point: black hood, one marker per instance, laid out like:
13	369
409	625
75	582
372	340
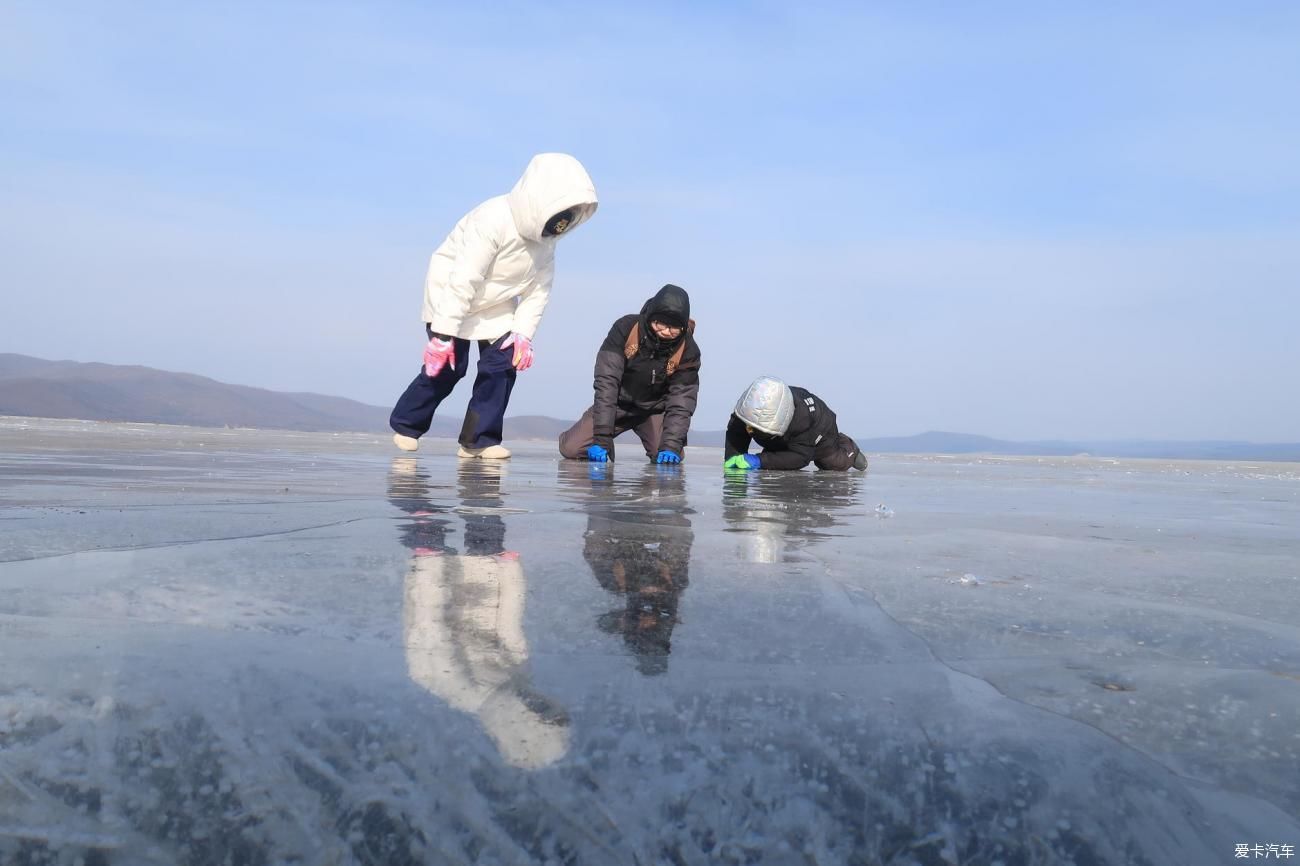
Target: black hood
670	304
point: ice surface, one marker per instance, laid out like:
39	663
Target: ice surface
234	647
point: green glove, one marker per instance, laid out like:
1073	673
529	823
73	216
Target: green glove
744	462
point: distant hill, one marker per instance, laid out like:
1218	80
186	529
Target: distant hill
936	442
106	392
34	387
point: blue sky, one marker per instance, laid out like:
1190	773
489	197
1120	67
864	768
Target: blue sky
1024	220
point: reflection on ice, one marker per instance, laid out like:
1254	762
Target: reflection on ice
638	545
775	511
314	654
463	615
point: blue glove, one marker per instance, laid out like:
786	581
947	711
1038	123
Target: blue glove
667	457
597	454
743	462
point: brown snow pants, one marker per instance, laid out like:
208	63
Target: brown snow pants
575	441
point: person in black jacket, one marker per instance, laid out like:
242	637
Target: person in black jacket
647	380
794	426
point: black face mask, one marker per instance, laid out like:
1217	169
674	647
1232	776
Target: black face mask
558	224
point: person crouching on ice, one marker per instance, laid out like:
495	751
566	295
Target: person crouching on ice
647	380
794	426
489	282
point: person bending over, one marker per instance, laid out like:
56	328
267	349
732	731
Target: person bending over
647	380
489	282
794	426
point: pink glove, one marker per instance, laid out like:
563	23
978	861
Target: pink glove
437	355
523	350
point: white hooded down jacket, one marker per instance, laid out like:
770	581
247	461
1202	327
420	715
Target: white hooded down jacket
493	273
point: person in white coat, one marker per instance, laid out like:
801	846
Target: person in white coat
489	282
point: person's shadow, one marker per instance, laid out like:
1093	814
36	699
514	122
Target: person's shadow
463	613
638	546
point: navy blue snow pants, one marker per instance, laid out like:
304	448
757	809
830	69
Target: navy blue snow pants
486	412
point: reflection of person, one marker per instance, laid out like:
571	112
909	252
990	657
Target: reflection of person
647	380
642	552
408	488
463	616
771	512
489	282
794	426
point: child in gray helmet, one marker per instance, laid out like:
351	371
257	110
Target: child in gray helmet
795	428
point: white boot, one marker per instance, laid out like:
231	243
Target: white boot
491	452
406	443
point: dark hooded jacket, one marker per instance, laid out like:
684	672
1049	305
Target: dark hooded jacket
812	429
639	375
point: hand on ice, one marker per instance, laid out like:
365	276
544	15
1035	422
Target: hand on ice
743	462
438	354
597	454
668	457
523	358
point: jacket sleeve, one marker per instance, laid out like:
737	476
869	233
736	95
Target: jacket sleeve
797	456
608	377
478	249
683	393
533	300
738	438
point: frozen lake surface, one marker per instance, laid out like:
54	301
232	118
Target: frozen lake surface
233	647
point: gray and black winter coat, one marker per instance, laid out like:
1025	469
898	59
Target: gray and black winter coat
639	375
